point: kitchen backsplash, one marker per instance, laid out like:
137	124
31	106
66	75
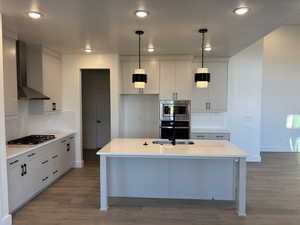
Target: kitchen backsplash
30	121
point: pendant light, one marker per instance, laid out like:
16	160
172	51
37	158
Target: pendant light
139	77
202	76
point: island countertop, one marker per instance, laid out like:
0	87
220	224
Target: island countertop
200	148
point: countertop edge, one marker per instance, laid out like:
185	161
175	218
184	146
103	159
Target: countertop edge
61	135
170	155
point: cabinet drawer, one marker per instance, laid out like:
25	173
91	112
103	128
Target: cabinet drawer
16	161
211	136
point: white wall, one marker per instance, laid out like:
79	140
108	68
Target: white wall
281	82
139	116
244	99
5	218
71	65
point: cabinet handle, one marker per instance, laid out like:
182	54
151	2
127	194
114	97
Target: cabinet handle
55	172
55	156
46	178
14	162
207	106
220	136
68	149
45	162
22	173
30	155
200	136
25	169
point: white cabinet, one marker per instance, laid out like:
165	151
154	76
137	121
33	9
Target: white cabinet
175	80
152	70
10	77
30	173
52	81
213	98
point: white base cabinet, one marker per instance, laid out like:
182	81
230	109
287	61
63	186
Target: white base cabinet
30	173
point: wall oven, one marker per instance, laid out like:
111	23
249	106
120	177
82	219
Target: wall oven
175	110
175	119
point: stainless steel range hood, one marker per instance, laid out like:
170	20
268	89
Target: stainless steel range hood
24	91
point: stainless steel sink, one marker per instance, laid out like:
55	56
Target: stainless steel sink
159	142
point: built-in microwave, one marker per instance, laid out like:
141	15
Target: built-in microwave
178	110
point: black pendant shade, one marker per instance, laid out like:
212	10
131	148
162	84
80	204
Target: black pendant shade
139	78
202	77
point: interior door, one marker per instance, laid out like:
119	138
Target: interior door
95	108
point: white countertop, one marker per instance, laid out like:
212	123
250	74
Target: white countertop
200	149
209	130
16	150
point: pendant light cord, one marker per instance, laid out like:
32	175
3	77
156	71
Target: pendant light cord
139	51
202	52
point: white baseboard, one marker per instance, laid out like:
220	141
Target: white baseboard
275	149
78	164
6	220
254	158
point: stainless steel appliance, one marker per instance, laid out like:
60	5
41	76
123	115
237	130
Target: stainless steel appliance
180	108
31	140
175	119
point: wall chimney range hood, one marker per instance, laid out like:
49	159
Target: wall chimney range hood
24	91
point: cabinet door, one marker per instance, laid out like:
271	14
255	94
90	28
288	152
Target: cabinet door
52	82
10	77
218	86
69	151
152	71
200	96
127	71
16	192
31	178
167	79
183	80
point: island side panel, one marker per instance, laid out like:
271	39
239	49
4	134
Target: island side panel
171	178
241	187
103	183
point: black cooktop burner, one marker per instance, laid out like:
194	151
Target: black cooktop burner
31	140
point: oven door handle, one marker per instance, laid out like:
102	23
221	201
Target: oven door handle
170	127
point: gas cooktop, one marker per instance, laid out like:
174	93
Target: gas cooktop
31	140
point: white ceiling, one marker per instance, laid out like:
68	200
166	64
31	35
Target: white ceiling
109	25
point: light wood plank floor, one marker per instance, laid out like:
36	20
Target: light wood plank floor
273	198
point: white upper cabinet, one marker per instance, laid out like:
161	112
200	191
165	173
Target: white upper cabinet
213	98
176	80
52	81
167	80
152	70
183	80
10	77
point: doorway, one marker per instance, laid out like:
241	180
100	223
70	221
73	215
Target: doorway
96	121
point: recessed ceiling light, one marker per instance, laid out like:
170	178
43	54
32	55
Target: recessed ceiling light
141	13
88	50
207	48
241	10
151	49
34	15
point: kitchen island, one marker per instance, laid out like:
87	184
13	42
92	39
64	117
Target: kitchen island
206	169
